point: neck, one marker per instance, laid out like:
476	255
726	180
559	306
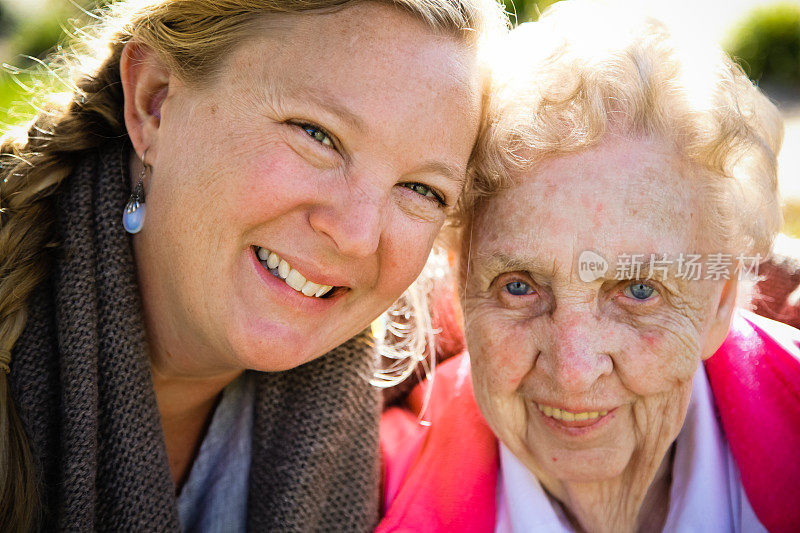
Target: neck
186	405
633	502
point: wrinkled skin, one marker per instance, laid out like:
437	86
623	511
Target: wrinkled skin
594	346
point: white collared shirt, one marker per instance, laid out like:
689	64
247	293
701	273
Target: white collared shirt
706	493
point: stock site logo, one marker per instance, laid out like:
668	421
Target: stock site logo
591	266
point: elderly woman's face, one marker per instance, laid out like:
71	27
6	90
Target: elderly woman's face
582	379
334	141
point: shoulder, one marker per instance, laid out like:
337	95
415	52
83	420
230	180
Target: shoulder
440	457
759	355
404	428
755	379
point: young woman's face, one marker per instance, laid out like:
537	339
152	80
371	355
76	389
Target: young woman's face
335	141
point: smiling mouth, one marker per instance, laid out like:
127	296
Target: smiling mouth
569	416
281	269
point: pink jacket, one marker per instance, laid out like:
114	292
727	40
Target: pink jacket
442	476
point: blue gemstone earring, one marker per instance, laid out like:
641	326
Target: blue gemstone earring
133	214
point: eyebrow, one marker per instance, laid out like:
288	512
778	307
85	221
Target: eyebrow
501	261
329	104
495	262
450	173
671	281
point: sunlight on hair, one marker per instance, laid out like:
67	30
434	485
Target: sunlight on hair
404	333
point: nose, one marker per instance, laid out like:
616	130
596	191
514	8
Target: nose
352	217
577	354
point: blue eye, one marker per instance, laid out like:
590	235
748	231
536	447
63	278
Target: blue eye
317	134
639	291
519	288
424	190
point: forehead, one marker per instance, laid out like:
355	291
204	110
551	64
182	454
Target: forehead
375	59
359	33
621	196
396	93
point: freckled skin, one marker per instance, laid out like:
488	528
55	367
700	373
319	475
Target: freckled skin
589	346
312	138
232	168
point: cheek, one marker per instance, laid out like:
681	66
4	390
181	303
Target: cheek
268	179
501	354
405	247
502	351
658	360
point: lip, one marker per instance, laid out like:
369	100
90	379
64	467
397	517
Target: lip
288	294
308	271
577	428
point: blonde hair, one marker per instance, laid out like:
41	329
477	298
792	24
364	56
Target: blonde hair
191	36
589	68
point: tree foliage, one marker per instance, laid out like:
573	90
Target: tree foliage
767	44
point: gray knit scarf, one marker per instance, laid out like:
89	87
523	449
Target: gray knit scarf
81	380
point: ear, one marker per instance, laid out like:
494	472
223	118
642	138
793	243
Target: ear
145	84
721	321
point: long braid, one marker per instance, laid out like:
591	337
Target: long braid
31	172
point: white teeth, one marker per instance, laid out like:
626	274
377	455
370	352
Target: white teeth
310	288
292	277
283	269
295	280
323	290
560	414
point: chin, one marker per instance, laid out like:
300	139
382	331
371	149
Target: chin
586	466
271	348
586	475
271	358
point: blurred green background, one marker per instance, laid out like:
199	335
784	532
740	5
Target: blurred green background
764	36
765	39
